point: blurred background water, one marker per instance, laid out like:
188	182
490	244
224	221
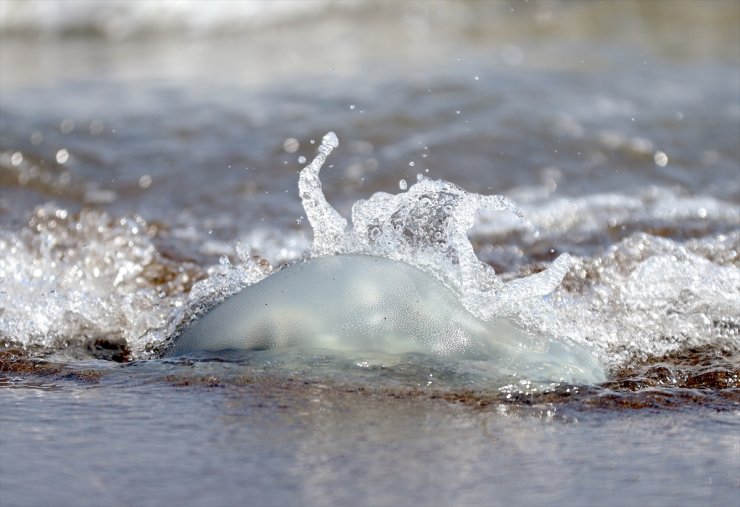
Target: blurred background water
141	141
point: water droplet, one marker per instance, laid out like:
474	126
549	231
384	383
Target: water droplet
96	127
145	181
16	158
301	159
291	145
477	78
62	156
67	126
403	185
412	163
352	107
661	159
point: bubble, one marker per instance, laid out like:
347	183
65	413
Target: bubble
352	107
62	156
412	163
301	159
403	185
660	158
291	145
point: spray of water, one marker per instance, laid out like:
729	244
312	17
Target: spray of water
425	226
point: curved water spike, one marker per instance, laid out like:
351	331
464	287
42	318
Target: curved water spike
327	224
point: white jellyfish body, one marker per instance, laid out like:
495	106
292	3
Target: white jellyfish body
403	279
358	303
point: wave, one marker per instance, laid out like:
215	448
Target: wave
72	283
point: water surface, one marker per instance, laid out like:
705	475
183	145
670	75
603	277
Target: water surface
142	152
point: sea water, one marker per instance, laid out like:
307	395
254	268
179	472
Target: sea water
149	165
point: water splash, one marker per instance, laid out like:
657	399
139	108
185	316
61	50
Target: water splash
68	279
648	297
75	279
425	226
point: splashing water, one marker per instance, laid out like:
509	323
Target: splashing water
358	301
645	298
86	277
427	227
69	280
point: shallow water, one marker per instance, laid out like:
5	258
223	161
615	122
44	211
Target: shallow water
142	154
132	440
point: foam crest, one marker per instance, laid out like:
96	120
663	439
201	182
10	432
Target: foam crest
76	279
68	280
591	215
650	296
